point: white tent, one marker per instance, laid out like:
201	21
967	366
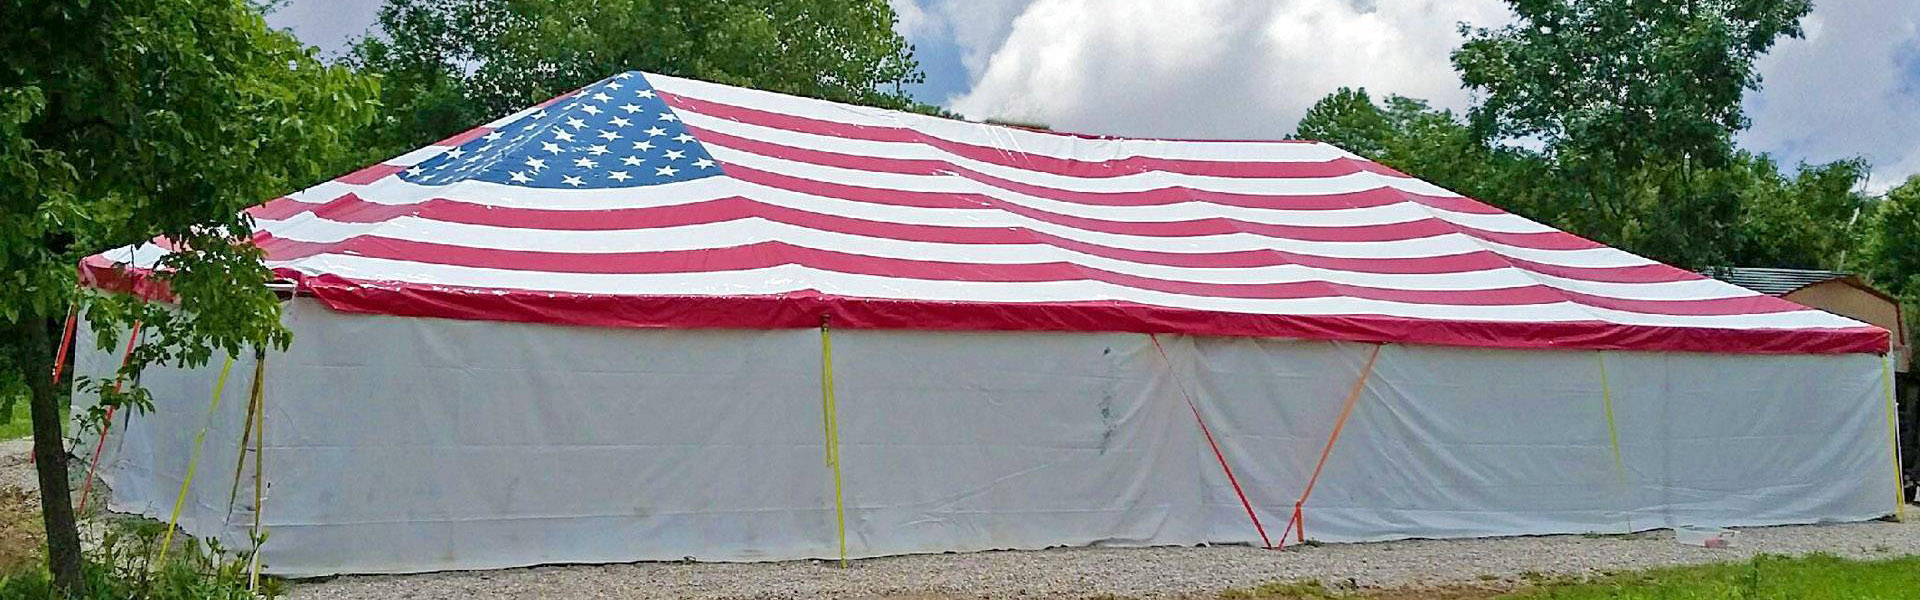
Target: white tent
658	318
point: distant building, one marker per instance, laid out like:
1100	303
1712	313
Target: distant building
1833	291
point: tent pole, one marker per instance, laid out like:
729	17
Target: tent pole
259	460
831	418
1893	438
1298	523
133	338
246	432
193	461
1613	432
1265	542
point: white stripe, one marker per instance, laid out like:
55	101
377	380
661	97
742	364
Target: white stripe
393	191
980	134
308	228
790	278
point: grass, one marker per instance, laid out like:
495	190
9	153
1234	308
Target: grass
18	425
1815	577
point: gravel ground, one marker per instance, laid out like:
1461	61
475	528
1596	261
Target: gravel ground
1130	572
15	471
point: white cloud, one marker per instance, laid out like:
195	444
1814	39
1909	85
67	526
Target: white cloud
1850	88
1214	68
913	21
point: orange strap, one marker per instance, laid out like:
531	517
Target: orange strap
1298	523
133	338
1264	541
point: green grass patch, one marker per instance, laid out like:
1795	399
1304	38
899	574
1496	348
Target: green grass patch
18	423
1816	577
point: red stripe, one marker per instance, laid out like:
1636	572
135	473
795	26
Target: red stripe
1021	160
349	208
370	174
773	254
804	309
352	210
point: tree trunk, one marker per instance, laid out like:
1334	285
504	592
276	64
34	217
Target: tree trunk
56	502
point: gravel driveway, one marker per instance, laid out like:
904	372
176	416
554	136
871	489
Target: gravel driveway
1131	572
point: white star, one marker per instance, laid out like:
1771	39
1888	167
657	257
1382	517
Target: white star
564	136
585	162
601	96
596	149
683	138
676	154
620	122
575	122
415	171
609	135
572	181
536	164
613	86
540	114
492	136
456	153
666	171
630	108
550	147
624	75
643	145
619	176
668	117
653	131
632	161
644	93
590	109
703	163
520	177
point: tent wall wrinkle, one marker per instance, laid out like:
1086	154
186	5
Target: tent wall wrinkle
406	444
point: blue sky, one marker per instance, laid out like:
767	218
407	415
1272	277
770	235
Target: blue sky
1249	68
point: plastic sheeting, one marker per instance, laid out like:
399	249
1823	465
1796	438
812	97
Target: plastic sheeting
404	444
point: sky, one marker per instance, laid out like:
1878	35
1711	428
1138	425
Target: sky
1248	69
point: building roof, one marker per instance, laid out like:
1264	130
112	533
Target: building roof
659	202
1774	282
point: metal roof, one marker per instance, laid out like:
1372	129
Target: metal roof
1774	282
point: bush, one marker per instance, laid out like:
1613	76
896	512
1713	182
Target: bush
122	566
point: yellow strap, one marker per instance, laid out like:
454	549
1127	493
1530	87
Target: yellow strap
831	417
193	461
1613	430
1893	439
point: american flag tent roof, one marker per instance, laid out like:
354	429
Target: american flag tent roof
652	201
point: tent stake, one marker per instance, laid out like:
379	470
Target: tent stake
1298	523
1265	542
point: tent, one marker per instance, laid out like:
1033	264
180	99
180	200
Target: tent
659	318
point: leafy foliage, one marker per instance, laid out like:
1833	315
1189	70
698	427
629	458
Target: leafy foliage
126	121
127	565
1635	104
451	64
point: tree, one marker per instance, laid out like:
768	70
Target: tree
452	64
1892	248
1634	100
125	121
